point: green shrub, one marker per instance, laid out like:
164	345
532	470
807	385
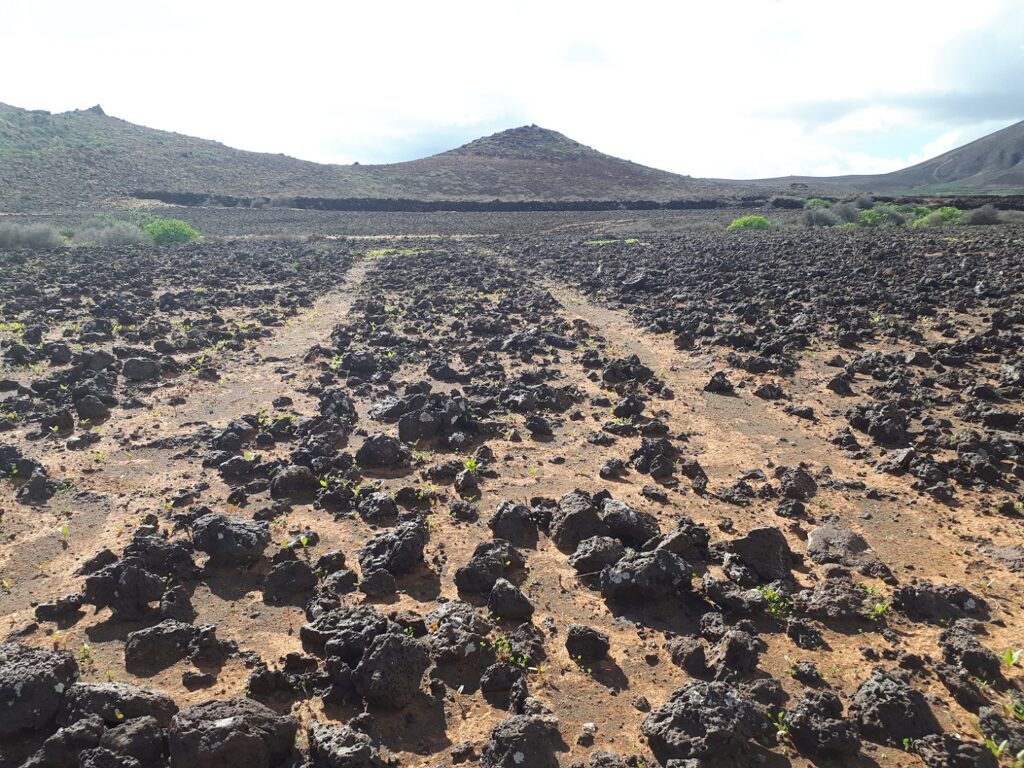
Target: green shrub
872	218
170	231
817	202
950	214
750	222
29	236
933	219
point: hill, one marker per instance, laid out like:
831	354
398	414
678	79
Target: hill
85	157
989	165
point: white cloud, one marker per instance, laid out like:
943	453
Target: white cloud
705	89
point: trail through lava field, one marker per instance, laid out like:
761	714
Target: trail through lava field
555	499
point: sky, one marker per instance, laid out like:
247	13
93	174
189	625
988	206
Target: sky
728	89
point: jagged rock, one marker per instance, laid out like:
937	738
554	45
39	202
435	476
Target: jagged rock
701	719
586	644
157	647
236	733
574	520
645	575
520	741
109	700
391	670
817	727
33	683
399	551
888	710
230	540
340	746
508	601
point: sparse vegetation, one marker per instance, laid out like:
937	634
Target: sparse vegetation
34	236
750	222
170	231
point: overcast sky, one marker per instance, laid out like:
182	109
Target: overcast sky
733	88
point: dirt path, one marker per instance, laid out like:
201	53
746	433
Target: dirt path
118	482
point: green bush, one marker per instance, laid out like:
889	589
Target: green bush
933	219
170	231
750	222
817	202
950	214
872	218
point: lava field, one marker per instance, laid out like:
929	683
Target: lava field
565	498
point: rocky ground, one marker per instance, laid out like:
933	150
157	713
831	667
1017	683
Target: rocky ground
573	497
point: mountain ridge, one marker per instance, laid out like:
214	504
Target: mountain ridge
83	158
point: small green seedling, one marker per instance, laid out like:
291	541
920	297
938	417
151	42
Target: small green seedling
779	722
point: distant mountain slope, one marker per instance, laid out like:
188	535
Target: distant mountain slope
991	164
85	157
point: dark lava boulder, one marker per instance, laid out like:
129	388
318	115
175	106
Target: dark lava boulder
585	644
645	575
833	542
398	552
593	554
236	733
380	451
961	648
141	738
922	600
515	523
391	670
288	579
490	561
630	527
230	540
115	703
948	750
341	746
762	555
33	683
885	422
702	719
817	726
574	520
797	483
520	741
294	482
140	369
507	601
837	597
344	632
999	728
888	710
456	631
62	749
157	647
719	384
